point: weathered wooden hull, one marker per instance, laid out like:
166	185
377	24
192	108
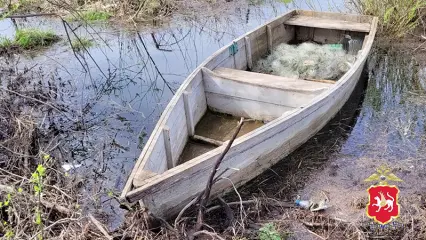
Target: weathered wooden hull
171	187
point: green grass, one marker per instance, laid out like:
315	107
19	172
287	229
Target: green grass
29	39
95	16
396	17
5	42
91	16
33	38
83	43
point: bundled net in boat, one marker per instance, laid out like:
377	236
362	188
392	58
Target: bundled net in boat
309	61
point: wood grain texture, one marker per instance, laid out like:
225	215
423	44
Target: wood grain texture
207	140
327	23
165	194
259	39
269	37
243	107
267	80
262	88
168	147
197	99
225	59
337	16
282	34
248	53
140	179
189	114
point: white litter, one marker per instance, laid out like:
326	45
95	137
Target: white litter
68	166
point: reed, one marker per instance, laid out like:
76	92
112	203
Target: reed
396	17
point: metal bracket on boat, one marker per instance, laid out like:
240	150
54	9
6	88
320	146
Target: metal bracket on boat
233	49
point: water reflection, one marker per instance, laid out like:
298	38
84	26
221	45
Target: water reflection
115	91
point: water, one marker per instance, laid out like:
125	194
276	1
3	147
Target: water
116	92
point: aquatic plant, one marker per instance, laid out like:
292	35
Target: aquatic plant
94	15
33	38
396	17
81	44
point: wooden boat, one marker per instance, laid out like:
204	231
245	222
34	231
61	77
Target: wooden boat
178	158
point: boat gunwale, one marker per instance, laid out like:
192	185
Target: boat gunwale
305	109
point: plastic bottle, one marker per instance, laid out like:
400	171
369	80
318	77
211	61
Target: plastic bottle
303	203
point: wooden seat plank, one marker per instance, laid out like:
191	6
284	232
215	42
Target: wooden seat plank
272	81
327	23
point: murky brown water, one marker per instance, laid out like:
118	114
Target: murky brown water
215	126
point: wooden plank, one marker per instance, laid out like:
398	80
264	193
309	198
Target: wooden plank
177	125
157	161
202	139
197	99
188	114
270	38
225	59
282	34
248	53
142	177
244	107
241	59
326	36
320	80
168	147
337	16
268	80
255	87
315	22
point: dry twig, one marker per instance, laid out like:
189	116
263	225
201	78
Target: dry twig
206	195
100	226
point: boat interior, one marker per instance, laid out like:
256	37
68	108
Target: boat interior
206	111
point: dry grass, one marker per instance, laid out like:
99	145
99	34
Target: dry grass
25	106
102	10
396	17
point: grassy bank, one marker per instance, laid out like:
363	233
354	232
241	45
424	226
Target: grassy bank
29	39
396	17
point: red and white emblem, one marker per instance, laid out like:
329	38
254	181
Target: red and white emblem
383	203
